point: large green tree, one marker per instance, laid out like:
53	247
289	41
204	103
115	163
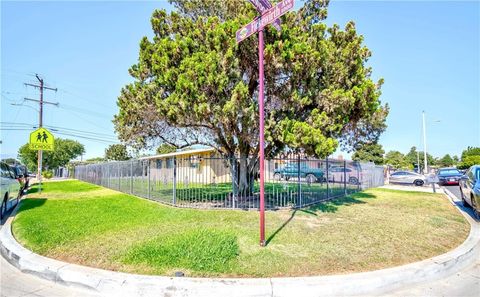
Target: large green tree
193	84
445	161
369	152
470	157
65	150
413	156
397	160
117	152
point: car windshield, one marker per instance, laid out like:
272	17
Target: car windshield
448	172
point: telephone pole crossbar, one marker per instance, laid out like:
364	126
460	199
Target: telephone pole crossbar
42	87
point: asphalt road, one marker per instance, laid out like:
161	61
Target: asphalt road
455	191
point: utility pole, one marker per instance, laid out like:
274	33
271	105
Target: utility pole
418	162
424	144
41	86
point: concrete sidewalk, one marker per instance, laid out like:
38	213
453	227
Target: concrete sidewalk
401	187
395	281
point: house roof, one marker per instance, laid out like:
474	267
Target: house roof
181	153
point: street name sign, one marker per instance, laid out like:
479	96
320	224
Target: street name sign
264	5
269	16
41	139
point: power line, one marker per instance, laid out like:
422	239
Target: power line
74	113
65	133
56	128
86	137
82	110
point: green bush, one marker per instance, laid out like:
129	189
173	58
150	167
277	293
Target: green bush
48	174
469	161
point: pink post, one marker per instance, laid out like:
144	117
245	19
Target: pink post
262	144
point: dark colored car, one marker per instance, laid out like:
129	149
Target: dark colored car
470	189
449	176
292	170
21	174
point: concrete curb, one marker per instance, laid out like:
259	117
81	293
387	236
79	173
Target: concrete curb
110	283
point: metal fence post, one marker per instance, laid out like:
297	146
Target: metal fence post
148	182
359	167
174	194
118	174
328	188
131	177
299	187
345	177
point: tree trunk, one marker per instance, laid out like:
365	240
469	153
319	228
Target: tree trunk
244	172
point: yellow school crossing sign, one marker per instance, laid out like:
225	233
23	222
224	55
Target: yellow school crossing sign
41	139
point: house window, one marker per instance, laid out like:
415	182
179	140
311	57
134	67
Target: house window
170	162
194	161
159	164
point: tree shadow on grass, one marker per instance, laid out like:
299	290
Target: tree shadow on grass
330	206
334	204
32	190
30	203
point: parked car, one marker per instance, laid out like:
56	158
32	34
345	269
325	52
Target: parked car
407	177
470	189
21	174
293	169
449	176
9	188
340	173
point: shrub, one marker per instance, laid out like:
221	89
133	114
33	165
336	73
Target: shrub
48	174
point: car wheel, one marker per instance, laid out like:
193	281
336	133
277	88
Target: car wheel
311	178
3	208
464	202
353	180
476	211
287	178
277	177
418	183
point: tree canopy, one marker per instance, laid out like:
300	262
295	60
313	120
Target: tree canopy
446	161
413	156
117	152
470	157
65	150
369	152
165	148
193	84
397	160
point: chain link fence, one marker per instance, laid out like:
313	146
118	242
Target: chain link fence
198	182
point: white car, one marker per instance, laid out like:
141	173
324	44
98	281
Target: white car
407	177
338	174
9	188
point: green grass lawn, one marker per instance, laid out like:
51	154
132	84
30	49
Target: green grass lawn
94	226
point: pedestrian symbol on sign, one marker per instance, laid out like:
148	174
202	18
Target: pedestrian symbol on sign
41	139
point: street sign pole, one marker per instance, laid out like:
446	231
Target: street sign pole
262	142
269	15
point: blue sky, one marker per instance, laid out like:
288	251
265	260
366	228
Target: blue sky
427	52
